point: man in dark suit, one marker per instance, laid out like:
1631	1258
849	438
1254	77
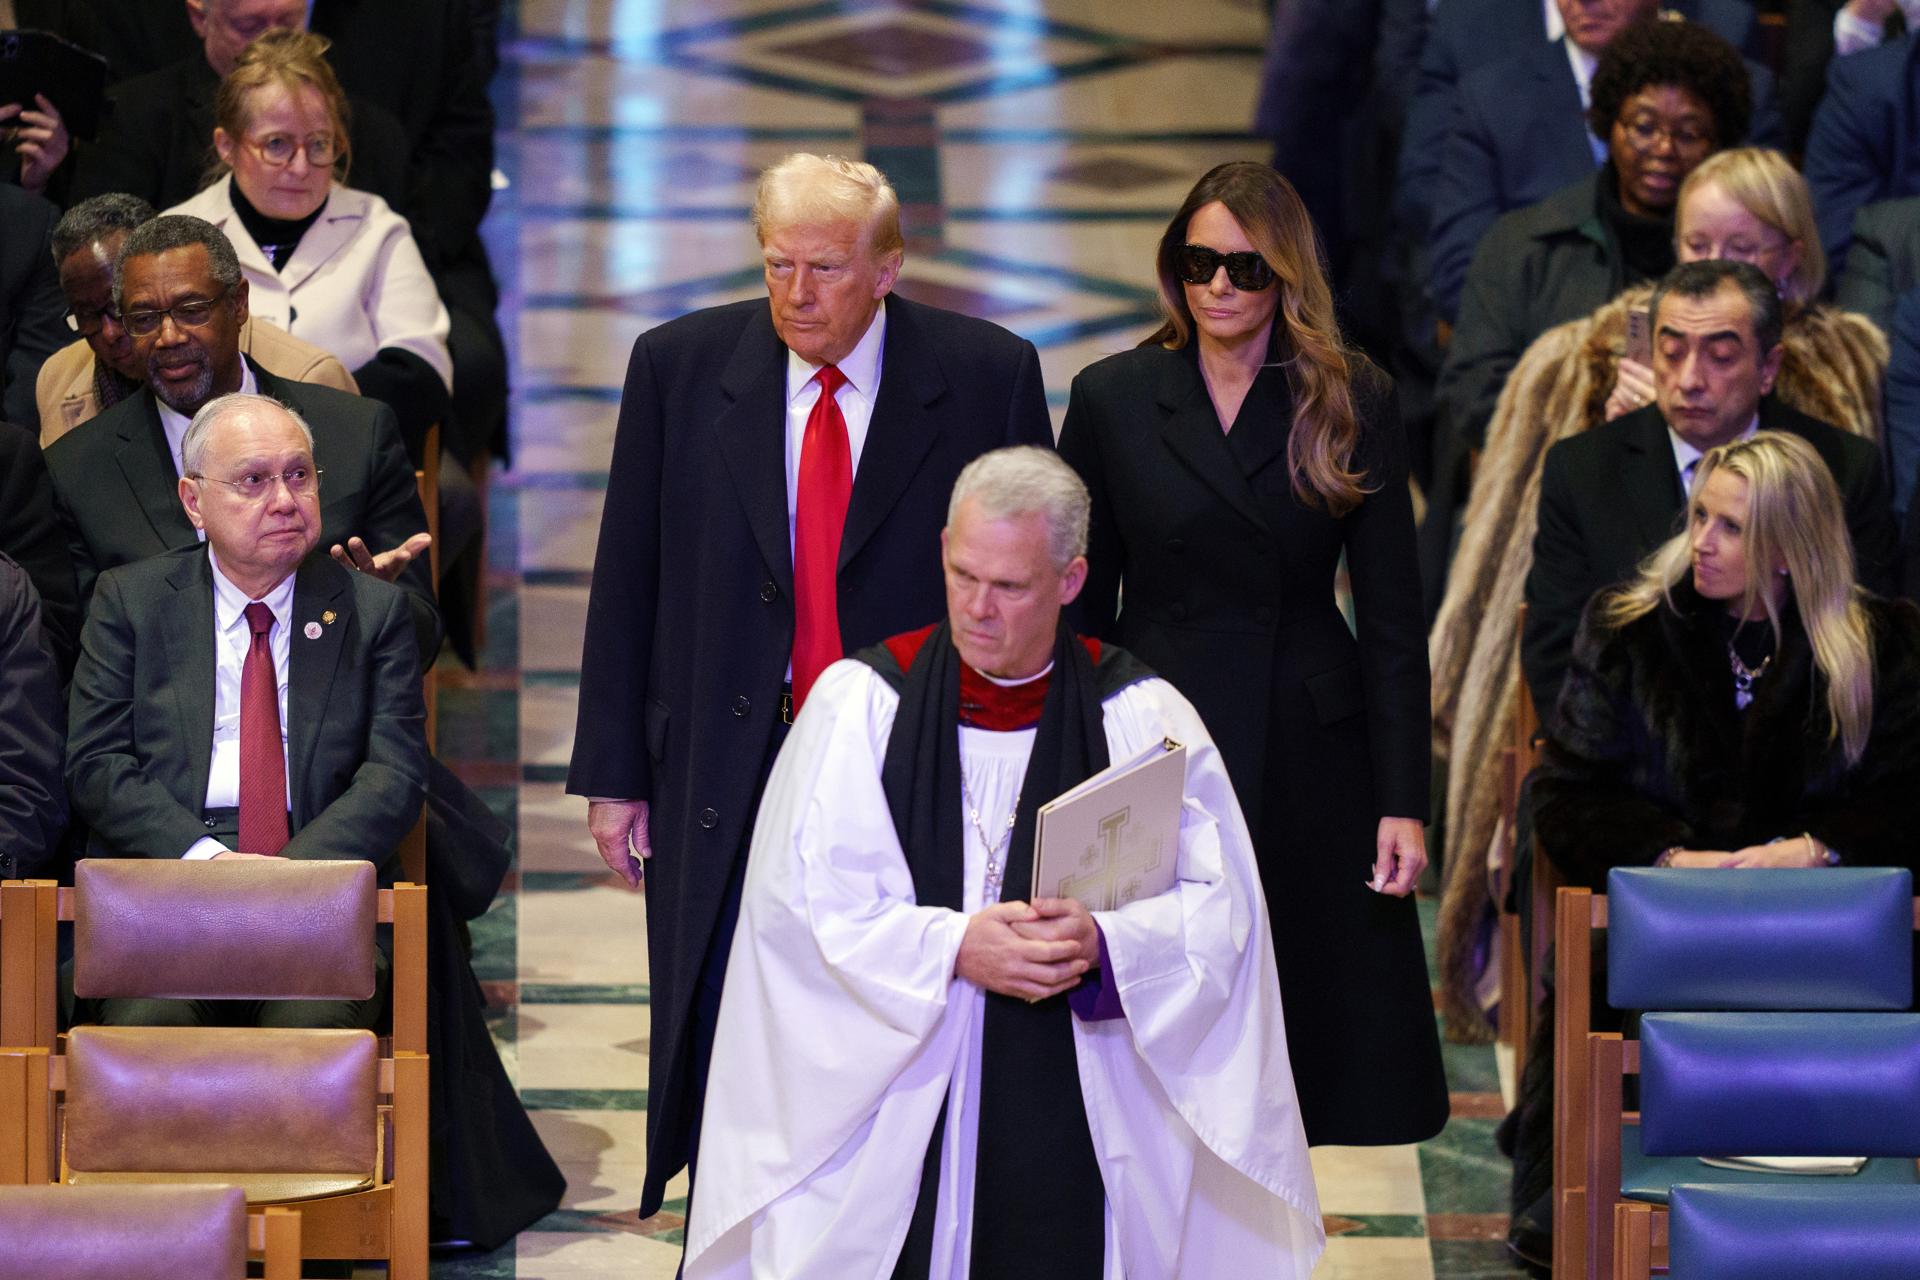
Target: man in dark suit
1465	34
1611	495
32	324
756	527
181	295
1865	144
237	699
1519	133
33	796
31	535
1817	32
1883	261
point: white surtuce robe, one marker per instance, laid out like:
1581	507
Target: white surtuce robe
843	1029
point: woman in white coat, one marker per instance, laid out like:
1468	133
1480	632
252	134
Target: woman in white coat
335	266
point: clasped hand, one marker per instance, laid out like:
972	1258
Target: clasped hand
1030	950
1783	853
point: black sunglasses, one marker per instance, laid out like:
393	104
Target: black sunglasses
1247	270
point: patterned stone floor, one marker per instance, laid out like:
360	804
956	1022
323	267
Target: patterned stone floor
1037	146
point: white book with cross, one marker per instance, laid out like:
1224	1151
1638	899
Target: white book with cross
1116	836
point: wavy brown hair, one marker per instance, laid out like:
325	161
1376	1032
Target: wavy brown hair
291	60
1326	432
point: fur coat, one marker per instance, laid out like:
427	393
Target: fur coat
1649	751
1832	371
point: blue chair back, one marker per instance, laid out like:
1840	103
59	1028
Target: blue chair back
1760	938
1787	1084
1790	1233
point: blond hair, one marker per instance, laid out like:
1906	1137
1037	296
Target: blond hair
809	190
1326	434
291	60
1795	517
1763	182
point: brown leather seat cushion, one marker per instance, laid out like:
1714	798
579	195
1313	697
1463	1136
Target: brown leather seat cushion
245	930
122	1233
236	1102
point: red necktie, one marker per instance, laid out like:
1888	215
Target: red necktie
820	513
263	767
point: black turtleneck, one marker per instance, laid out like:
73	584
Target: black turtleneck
277	237
1646	244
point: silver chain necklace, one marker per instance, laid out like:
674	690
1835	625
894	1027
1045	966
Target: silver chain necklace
995	849
1744	676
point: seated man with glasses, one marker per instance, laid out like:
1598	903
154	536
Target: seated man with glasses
243	699
102	369
179	292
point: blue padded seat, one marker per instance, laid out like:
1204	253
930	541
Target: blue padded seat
1760	938
1791	1232
1780	1084
1652	1178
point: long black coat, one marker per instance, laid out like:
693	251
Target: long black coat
690	622
1228	584
1648	750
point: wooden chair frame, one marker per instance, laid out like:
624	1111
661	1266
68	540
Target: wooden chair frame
1589	1067
387	1221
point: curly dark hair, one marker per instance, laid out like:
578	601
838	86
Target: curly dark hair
1683	54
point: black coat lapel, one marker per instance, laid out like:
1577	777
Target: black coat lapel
1649	480
187	631
901	430
322	600
1191	429
751	431
147	466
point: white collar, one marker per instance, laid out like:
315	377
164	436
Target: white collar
1583	64
1556	25
1016	683
175	423
1685	455
861	368
230	602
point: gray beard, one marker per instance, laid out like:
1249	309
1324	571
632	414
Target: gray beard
189	400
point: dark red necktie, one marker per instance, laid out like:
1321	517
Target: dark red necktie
820	513
263	760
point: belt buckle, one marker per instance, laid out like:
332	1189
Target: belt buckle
786	706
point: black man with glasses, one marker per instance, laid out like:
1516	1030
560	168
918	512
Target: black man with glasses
181	295
101	368
1233	457
240	698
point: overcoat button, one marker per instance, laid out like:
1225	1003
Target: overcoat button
741	706
1179	612
1176	545
769	592
709	819
1263	614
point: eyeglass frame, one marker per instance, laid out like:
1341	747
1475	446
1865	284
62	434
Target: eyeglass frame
334	150
1656	129
162	314
1242	266
266	484
98	318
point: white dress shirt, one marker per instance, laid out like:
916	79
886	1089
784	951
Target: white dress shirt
232	637
175	424
1556	25
855	397
1852	34
1583	64
1685	456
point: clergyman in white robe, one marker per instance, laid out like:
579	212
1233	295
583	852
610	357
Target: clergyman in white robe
843	1029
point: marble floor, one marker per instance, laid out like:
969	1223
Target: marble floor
1037	146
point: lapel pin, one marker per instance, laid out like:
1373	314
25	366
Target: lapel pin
313	631
328	617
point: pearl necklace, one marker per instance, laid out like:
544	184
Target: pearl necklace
995	849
